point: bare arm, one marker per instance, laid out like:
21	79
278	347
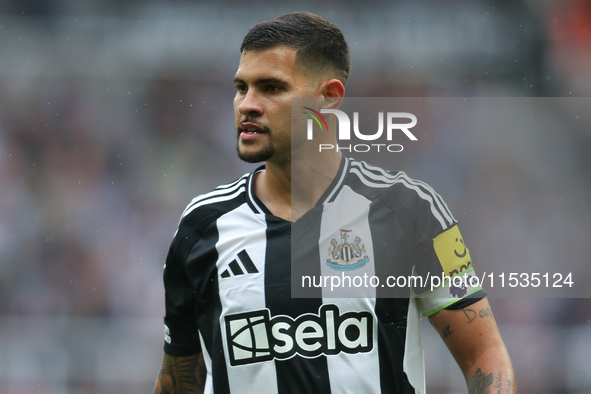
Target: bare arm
472	337
181	375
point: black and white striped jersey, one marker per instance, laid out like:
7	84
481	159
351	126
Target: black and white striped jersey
228	284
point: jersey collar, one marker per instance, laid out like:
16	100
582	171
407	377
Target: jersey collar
327	197
253	201
337	183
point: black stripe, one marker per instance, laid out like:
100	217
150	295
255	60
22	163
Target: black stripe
438	203
304	253
225	274
445	212
391	306
205	201
247	262
305	375
232	186
405	181
236	270
366	167
391	313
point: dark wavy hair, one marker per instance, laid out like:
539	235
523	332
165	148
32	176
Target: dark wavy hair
320	45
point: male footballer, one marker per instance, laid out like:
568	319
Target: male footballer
231	325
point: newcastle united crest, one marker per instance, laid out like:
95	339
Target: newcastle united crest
346	256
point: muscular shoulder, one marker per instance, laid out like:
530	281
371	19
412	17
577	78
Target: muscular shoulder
403	194
206	208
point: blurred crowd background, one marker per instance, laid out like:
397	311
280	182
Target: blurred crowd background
114	115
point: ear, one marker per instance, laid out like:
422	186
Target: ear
333	91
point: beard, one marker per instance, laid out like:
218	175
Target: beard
263	154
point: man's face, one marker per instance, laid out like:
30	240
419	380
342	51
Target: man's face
266	81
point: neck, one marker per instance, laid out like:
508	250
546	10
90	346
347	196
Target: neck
310	179
273	188
292	189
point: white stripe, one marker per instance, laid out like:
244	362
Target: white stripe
387	180
239	229
413	363
214	200
363	177
421	194
341	366
228	185
365	366
340	182
250	191
224	189
438	200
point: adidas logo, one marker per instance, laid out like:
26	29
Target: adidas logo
237	269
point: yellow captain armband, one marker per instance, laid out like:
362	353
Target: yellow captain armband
453	254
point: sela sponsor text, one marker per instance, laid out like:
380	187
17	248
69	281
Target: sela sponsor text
255	336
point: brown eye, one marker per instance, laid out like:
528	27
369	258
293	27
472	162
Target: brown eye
274	88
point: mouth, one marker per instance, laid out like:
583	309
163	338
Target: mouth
250	130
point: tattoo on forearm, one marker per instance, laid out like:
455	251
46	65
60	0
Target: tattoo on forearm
433	321
499	383
181	375
471	314
165	382
485	313
446	332
479	383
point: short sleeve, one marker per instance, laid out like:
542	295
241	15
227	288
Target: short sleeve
440	256
181	336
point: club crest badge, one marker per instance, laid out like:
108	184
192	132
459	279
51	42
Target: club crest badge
345	256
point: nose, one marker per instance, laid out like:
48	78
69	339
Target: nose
251	104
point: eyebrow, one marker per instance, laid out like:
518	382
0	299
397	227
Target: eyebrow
262	81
